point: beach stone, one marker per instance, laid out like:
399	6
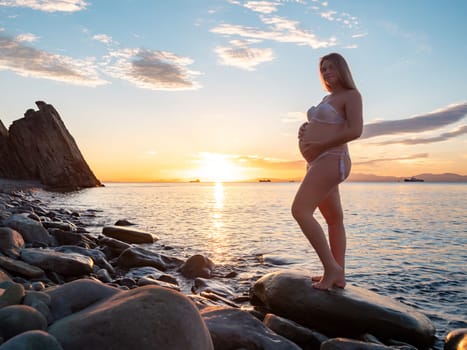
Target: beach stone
148	317
31	230
456	340
232	328
10	241
137	257
116	246
76	295
16	319
71	238
12	294
32	340
103	275
197	266
345	312
206	285
63	226
96	255
21	267
129	235
4	276
67	264
302	336
144	281
351	344
124	222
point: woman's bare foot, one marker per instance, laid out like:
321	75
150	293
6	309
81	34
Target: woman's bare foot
331	278
316	278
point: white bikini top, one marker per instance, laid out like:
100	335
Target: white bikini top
324	113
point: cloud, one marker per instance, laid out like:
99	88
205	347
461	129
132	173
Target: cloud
28	61
280	30
424	122
47	5
262	6
381	160
417	141
155	70
103	38
242	56
27	37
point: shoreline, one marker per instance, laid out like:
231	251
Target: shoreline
211	292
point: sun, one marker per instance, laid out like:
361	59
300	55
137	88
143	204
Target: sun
214	167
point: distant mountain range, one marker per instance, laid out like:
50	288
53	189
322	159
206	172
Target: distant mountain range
446	177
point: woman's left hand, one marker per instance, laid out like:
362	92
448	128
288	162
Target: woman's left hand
301	131
310	151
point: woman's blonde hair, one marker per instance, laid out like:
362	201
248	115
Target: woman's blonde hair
343	71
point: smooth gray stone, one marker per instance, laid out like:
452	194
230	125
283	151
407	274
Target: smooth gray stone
148	317
138	257
232	328
30	230
32	340
351	344
96	255
345	312
456	339
76	295
302	336
197	266
20	267
129	235
67	264
10	240
16	319
12	294
4	276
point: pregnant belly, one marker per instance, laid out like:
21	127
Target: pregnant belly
316	134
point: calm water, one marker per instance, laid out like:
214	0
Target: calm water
405	240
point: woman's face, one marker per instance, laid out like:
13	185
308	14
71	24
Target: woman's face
329	73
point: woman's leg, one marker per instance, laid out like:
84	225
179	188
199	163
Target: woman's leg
320	180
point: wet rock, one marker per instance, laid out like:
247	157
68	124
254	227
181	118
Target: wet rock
116	246
77	295
64	226
10	241
20	267
16	319
206	285
145	281
30	230
135	257
103	275
197	266
36	340
456	340
72	238
302	336
124	222
351	344
4	276
128	235
233	329
95	254
160	319
67	264
342	312
13	293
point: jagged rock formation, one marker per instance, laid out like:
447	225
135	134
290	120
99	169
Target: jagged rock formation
39	147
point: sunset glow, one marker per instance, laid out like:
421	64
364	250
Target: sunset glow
217	168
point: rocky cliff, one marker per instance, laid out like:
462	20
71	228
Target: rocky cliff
39	147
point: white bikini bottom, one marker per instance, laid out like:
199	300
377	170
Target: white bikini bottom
342	168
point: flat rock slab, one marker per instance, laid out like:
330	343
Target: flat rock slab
128	235
342	312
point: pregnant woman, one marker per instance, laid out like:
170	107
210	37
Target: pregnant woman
323	143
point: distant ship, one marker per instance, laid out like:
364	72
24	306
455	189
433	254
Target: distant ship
264	180
413	179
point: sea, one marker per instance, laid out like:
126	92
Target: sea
407	241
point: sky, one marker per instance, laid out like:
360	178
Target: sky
216	90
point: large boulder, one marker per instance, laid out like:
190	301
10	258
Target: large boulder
148	317
342	312
39	147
